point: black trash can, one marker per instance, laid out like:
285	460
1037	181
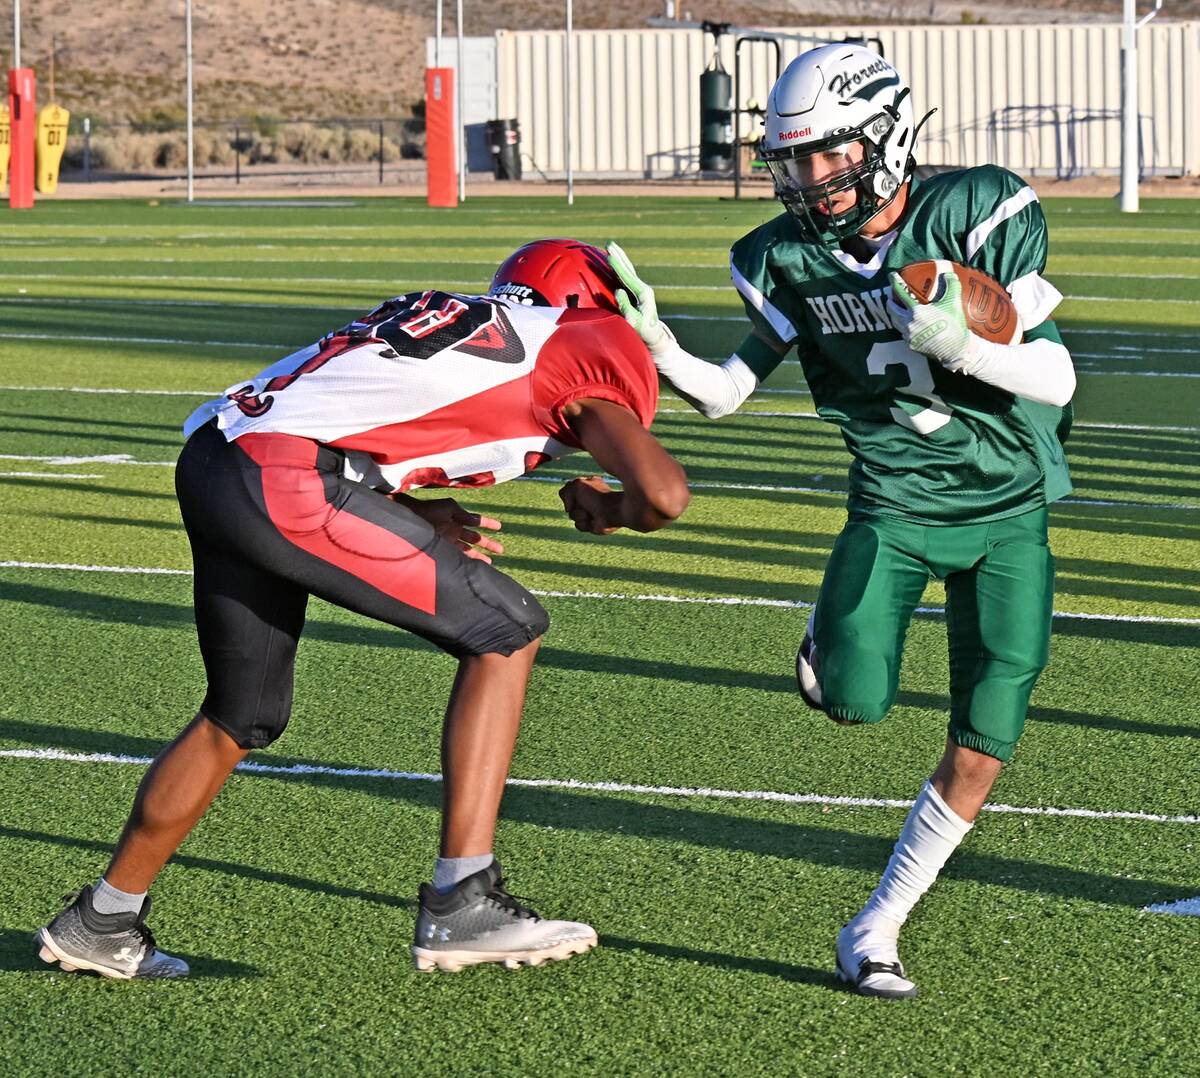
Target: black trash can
504	140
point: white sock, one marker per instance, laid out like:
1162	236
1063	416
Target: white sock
107	899
449	872
930	835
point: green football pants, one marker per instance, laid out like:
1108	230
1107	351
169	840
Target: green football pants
999	602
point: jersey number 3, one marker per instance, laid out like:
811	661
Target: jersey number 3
920	385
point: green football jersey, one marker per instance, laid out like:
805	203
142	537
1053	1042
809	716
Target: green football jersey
928	445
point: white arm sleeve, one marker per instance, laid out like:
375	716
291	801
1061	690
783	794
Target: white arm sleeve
1038	370
714	389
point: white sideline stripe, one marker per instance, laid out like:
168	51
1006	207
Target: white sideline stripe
62	756
1148	427
764	488
1185	907
1151	428
700	600
137	340
425	263
1137	349
122	458
130	392
146	570
1143	374
477	285
104	458
47	475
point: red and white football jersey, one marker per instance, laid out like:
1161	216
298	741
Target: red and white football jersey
435	389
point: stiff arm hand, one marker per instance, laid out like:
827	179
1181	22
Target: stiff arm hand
637	305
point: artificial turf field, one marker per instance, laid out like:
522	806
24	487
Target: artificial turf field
668	665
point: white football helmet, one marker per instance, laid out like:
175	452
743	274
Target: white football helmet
840	117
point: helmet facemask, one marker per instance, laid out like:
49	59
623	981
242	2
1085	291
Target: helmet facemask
809	176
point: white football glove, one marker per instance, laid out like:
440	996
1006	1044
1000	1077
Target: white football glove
937	329
640	311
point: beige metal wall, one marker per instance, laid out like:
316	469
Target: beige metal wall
1038	99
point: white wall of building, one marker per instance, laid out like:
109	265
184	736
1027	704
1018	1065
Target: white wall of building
1042	100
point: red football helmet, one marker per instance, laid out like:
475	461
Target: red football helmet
557	273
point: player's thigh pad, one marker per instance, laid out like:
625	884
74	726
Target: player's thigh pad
359	549
872	584
274	529
998	618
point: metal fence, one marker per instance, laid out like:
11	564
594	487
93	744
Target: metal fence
1044	100
358	150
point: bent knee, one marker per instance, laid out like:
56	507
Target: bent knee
857	685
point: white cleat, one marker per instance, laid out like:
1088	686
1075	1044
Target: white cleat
868	962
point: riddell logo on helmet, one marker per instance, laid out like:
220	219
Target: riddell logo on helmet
800	132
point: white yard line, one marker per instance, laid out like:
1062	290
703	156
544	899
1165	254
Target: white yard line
357	281
699	600
1185	907
1146	427
237	254
252	768
47	475
762	488
120	392
69	337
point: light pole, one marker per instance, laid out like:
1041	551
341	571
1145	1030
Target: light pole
1129	104
191	193
567	106
461	140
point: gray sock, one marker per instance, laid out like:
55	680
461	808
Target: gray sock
107	899
449	872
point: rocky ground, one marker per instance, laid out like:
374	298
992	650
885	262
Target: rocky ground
364	58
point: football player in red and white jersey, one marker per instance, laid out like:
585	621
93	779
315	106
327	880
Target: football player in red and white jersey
293	483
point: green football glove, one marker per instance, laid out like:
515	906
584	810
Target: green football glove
938	329
637	304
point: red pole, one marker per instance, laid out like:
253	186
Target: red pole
440	137
23	124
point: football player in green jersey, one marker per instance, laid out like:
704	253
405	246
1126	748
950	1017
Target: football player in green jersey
956	442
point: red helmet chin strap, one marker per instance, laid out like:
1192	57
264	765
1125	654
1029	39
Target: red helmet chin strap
557	273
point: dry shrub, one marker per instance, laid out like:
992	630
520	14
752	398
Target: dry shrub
263	151
311	144
362	144
213	147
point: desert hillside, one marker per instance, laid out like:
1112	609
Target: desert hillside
363	58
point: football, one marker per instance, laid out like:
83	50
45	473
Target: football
988	307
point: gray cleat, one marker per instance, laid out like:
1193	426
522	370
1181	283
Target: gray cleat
479	921
113	944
